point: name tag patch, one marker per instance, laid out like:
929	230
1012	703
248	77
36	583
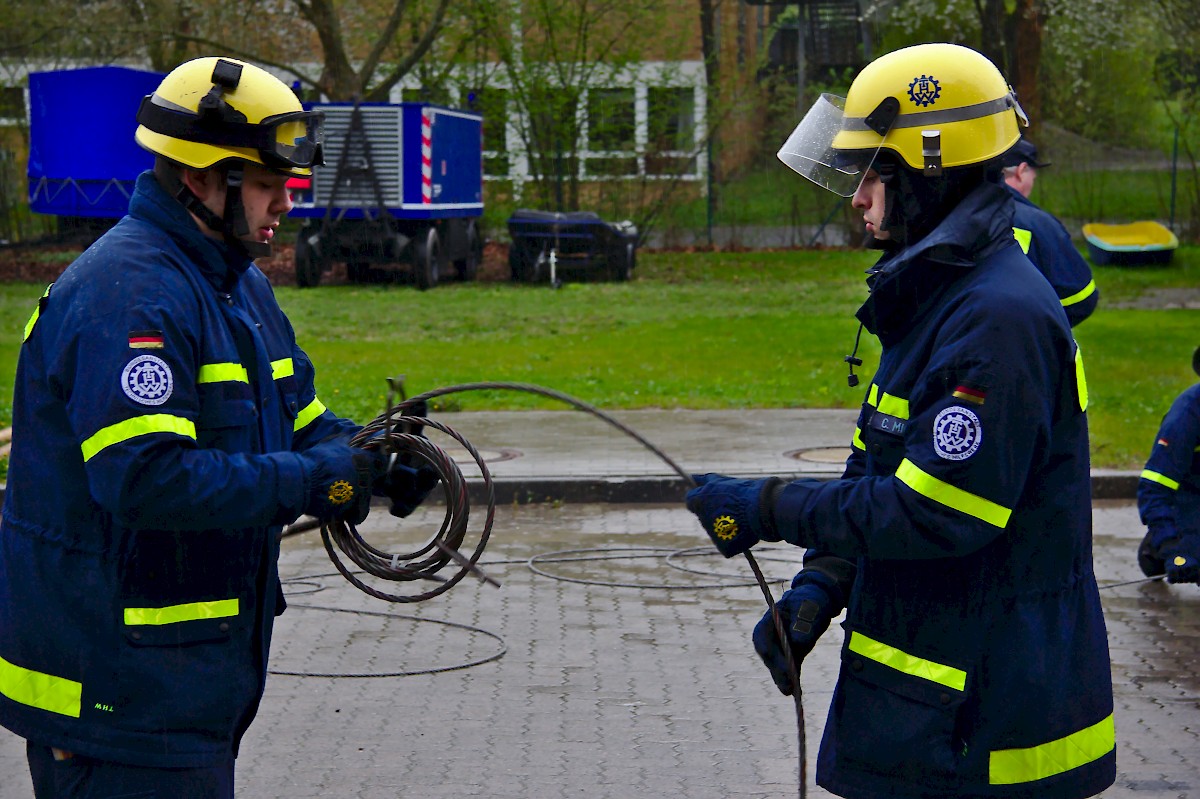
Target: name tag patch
888	424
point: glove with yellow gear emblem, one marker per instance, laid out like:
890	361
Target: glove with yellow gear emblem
339	479
736	513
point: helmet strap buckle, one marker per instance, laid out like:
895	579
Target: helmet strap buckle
931	152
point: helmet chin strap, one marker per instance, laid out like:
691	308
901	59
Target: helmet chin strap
235	209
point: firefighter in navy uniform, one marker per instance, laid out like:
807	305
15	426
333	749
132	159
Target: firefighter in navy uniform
975	659
1169	492
1045	240
165	428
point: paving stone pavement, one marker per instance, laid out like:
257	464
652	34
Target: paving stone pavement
626	671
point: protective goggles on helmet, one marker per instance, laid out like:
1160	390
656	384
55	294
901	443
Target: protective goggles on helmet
292	140
809	149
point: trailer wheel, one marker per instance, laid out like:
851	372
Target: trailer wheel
621	261
468	267
426	255
309	263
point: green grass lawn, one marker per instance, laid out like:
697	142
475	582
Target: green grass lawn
693	330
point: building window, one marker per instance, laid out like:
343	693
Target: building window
611	133
671	123
493	105
12	105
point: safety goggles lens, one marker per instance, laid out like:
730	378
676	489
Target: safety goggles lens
297	139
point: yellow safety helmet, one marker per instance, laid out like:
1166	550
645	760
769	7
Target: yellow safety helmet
936	106
210	110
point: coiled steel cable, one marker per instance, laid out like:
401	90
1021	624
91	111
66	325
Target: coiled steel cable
425	562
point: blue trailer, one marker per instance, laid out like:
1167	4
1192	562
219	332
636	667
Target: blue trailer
402	186
83	160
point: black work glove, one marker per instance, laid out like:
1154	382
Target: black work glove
406	487
1181	558
409	480
1150	562
735	513
806	610
339	480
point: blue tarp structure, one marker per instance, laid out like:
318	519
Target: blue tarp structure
83	160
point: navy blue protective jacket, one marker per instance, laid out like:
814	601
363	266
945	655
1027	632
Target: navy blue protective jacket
1169	488
975	660
1049	246
160	400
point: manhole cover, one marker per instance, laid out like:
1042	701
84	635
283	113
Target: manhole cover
820	454
460	455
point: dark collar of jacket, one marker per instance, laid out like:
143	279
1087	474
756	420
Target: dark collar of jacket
906	283
220	264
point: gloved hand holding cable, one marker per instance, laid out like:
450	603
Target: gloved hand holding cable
408	480
806	611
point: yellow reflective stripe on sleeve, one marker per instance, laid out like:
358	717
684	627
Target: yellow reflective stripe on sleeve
1024	238
1161	479
873	395
1080	379
37	311
893	406
1011	766
909	664
857	441
943	493
137	426
1080	295
306	416
43	691
222	373
218	609
282	368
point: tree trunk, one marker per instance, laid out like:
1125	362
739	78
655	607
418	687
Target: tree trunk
1030	21
712	66
993	42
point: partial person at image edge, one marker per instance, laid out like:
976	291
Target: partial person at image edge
165	427
1169	492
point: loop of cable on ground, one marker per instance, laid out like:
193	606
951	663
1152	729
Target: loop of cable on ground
503	648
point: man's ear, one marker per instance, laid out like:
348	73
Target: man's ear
204	183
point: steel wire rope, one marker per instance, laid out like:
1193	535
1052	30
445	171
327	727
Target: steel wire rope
499	653
659	552
442	548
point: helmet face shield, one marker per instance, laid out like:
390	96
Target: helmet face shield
809	149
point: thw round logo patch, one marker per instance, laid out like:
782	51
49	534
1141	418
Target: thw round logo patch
957	433
147	380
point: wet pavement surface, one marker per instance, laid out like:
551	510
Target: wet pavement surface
614	661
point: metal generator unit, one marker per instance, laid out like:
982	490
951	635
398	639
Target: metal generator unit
401	187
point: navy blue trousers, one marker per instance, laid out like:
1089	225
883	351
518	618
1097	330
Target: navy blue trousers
79	777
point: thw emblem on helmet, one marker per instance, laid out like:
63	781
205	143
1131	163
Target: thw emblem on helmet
924	90
725	528
340	492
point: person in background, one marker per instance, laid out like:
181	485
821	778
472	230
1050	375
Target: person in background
1169	492
165	427
958	540
1045	240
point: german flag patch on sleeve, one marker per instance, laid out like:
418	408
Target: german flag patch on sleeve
145	340
972	394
